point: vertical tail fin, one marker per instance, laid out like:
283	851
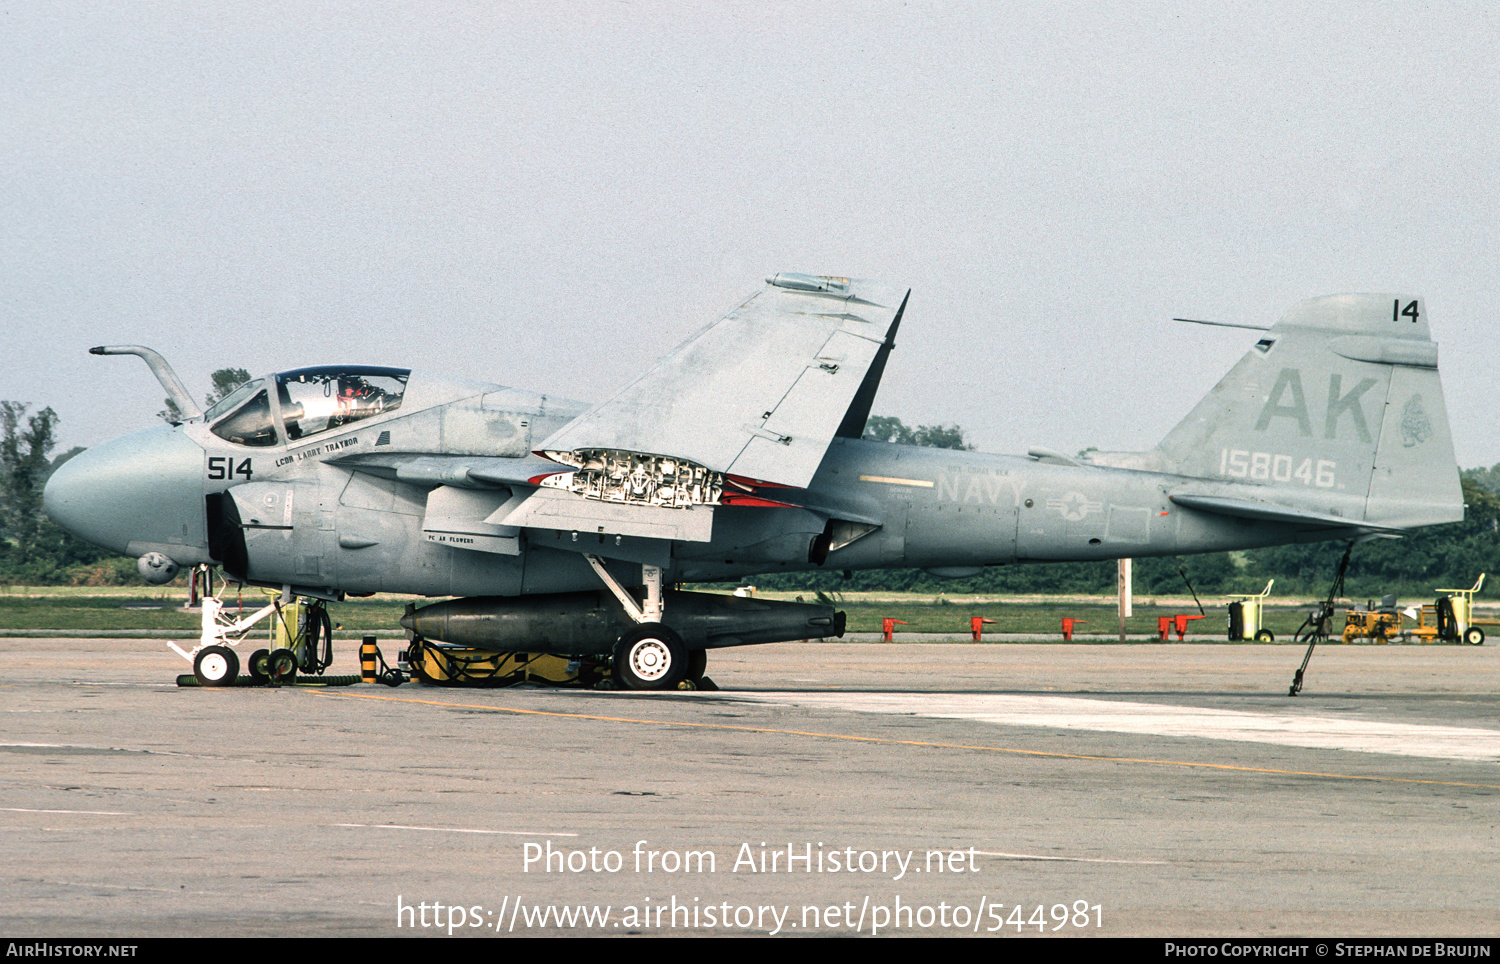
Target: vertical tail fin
1337	410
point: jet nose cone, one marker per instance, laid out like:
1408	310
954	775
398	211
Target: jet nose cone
66	496
141	493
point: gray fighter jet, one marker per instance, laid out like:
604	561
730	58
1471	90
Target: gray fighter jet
561	526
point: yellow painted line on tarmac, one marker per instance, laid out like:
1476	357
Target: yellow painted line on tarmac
852	738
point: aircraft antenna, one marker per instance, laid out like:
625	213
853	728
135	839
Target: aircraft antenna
1223	324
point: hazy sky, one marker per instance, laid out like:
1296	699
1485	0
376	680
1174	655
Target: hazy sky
551	196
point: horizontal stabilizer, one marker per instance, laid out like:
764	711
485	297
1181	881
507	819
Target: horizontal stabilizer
1267	512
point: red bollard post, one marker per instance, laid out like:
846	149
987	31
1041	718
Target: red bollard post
1163	626
976	626
1068	623
888	626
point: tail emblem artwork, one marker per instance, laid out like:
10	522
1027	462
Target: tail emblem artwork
563	528
1415	425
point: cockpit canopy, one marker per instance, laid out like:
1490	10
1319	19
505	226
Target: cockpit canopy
309	402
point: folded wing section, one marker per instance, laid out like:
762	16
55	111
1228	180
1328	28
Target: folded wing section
758	394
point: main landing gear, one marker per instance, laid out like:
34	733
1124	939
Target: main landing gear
652	656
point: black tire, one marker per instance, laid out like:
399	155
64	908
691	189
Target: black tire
1447	626
697	664
1474	636
216	666
651	657
320	646
282	666
260	666
1265	636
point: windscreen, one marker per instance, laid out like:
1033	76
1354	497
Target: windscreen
317	400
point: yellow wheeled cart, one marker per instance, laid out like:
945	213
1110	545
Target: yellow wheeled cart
1376	623
1451	618
301	638
1246	617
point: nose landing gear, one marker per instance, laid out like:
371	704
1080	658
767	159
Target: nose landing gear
301	637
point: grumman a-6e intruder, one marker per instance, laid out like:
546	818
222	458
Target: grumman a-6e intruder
560	526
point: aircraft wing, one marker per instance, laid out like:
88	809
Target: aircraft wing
758	394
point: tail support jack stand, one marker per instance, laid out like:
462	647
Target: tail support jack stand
1315	627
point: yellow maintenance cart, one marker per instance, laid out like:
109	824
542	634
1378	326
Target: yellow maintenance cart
1377	623
1246	617
1448	619
446	665
301	638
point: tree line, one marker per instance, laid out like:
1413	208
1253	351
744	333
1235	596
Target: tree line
33	551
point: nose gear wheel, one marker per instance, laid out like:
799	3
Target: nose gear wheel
216	666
